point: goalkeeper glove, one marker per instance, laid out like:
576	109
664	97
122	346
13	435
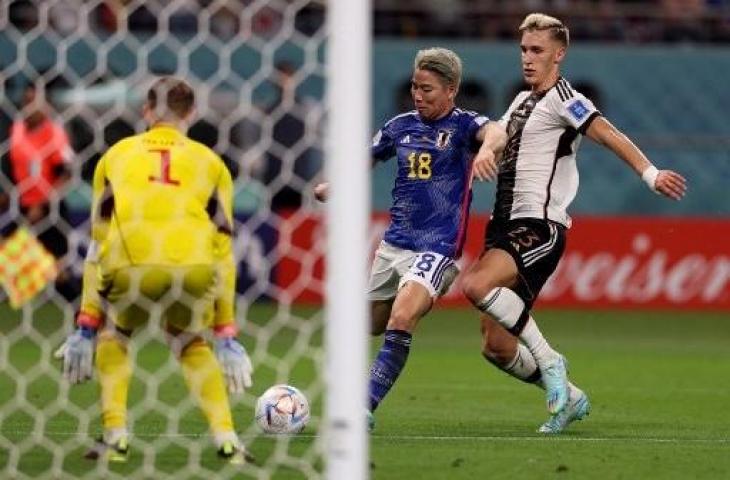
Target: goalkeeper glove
234	361
91	320
60	352
79	355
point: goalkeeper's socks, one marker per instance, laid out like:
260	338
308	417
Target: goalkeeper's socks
388	364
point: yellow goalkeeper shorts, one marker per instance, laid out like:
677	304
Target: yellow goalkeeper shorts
182	297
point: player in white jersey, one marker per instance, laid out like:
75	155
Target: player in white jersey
534	145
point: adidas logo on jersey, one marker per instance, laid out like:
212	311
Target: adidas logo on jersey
406	139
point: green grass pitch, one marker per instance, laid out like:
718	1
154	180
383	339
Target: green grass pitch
658	381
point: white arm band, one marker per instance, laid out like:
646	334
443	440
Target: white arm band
649	177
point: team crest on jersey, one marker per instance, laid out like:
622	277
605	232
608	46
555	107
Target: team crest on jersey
577	109
443	138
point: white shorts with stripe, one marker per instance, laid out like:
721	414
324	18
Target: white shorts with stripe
393	267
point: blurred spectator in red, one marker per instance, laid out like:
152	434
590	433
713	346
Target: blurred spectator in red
37	164
38	157
39	152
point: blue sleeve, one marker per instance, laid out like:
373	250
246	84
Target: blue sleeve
475	122
383	146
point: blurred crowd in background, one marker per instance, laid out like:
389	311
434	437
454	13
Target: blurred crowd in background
276	137
638	21
633	21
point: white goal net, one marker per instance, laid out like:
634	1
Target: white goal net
257	68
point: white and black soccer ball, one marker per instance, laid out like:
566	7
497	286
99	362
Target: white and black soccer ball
282	409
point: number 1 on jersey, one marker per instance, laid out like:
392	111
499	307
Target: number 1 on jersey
165	160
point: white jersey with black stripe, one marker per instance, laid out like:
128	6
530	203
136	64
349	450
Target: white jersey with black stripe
538	177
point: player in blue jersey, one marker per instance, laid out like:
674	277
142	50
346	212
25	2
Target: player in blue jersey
436	146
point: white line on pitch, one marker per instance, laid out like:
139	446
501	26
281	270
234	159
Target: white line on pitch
490	438
551	438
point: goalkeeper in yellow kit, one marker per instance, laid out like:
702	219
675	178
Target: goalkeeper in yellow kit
161	238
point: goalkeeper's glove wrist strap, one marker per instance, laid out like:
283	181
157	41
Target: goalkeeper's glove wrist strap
228	330
87	332
87	320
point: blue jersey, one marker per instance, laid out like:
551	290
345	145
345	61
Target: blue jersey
432	191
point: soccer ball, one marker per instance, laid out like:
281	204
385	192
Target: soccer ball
282	409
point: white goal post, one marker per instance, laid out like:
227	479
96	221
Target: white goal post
268	75
347	168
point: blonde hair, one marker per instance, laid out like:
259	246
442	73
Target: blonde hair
540	21
441	61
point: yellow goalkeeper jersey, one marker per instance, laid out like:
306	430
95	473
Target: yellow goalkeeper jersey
160	198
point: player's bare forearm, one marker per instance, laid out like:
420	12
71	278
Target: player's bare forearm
493	138
604	133
665	182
